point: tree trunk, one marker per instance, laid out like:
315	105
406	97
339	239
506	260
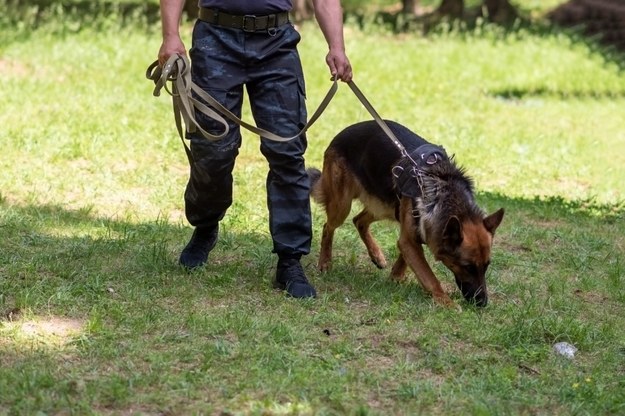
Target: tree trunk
302	10
500	11
191	9
452	8
410	6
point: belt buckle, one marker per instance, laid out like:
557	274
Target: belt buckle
249	18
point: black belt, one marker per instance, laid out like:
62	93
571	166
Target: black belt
247	23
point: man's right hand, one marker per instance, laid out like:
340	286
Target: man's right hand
171	11
171	45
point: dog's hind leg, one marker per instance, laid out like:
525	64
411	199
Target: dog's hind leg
325	253
338	192
363	222
398	272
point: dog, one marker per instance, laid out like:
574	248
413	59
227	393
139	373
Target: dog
421	188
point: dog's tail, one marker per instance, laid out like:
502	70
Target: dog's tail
314	175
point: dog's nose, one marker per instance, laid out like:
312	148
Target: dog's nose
479	299
481	302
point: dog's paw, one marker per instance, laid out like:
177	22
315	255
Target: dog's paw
445	301
379	263
323	266
399	278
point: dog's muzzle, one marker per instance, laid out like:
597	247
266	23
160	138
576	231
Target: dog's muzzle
474	294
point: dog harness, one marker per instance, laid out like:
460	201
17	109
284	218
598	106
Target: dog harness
407	172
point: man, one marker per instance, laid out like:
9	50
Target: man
251	43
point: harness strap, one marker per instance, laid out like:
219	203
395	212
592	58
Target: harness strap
408	173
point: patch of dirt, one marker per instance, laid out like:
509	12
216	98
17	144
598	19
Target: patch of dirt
591	297
53	331
52	327
511	247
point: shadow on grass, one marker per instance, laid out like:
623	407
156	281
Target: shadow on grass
47	249
543	92
120	279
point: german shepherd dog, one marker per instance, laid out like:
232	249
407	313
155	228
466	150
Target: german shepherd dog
422	189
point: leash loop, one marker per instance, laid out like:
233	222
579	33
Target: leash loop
184	91
177	71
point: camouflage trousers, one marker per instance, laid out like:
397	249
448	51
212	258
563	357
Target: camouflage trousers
268	66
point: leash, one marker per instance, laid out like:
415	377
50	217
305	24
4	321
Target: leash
378	119
177	71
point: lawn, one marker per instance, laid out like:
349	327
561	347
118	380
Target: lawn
96	317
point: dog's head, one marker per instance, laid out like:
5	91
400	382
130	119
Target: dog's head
465	250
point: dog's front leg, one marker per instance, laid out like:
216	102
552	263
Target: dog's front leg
412	252
415	258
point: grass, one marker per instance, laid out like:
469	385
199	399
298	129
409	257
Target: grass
97	318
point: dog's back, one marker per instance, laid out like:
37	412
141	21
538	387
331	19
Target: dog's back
369	154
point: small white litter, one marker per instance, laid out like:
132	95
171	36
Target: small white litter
565	349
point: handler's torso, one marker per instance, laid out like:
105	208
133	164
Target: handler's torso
257	7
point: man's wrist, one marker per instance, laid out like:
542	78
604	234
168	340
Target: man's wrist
169	36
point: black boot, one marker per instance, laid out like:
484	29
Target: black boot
202	242
290	276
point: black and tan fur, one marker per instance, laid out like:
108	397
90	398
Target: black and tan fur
359	164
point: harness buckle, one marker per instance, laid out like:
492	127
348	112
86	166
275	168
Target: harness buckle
252	26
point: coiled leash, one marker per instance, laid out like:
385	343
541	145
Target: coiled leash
187	98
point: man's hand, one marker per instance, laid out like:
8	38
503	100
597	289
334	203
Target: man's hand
339	65
171	45
171	11
329	16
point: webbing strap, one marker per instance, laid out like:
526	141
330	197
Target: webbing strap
378	119
177	70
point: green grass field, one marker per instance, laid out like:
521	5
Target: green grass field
96	317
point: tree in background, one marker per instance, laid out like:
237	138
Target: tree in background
191	9
453	8
498	11
410	6
302	10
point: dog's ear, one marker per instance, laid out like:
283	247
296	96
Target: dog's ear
452	235
493	220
